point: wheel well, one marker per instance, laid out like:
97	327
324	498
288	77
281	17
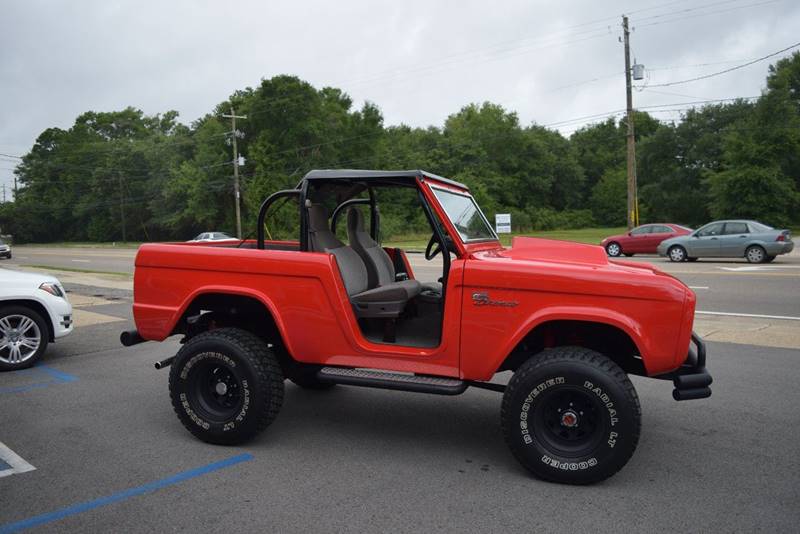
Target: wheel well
214	310
38	308
603	338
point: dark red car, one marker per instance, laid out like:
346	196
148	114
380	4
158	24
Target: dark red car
642	239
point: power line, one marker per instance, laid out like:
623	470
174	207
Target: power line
743	65
715	12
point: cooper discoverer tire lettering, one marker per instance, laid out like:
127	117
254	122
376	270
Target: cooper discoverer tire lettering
226	386
571	415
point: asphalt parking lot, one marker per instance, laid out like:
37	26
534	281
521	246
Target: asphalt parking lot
109	454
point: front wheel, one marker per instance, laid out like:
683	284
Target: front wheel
613	249
23	337
226	386
571	415
677	253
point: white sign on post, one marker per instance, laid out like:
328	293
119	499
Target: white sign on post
502	223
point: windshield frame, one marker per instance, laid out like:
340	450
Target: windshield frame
466	194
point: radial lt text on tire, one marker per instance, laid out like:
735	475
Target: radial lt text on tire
226	386
571	415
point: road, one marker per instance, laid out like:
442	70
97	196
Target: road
110	455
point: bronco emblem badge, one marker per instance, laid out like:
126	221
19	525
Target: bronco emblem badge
482	299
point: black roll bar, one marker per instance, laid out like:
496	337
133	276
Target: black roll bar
262	212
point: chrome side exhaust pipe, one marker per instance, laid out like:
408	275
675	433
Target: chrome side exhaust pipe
164	363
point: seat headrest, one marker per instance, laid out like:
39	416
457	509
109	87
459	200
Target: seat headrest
355	221
318	218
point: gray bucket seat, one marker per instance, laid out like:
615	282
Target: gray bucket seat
388	300
380	269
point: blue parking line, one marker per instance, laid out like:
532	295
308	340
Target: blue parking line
122	495
57	376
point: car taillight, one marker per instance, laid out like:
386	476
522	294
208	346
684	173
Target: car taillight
781	237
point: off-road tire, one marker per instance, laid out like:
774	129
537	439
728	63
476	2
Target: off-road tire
755	254
253	386
614	249
677	253
609	411
44	337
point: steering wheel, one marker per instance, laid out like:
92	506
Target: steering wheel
430	250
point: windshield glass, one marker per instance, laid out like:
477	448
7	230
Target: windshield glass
465	215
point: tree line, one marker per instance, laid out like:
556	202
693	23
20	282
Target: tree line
125	175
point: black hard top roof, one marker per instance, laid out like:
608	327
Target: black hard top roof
363	174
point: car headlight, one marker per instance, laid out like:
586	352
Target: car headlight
52	288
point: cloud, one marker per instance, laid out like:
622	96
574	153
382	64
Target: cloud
418	61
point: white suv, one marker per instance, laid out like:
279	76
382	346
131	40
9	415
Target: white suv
34	311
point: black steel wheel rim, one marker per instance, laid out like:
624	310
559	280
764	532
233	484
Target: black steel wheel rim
570	421
216	391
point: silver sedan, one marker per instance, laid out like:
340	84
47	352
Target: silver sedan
757	242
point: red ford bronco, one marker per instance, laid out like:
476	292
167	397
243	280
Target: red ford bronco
334	307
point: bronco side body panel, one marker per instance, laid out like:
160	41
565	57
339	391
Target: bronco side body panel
494	297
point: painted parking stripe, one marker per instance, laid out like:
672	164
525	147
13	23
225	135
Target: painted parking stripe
56	377
122	495
11	463
755	315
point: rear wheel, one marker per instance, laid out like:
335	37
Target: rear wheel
226	386
755	254
571	415
613	249
23	337
677	253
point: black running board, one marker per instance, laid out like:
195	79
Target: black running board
389	380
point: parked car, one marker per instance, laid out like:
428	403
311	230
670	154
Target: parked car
642	239
211	236
320	312
757	242
34	311
5	250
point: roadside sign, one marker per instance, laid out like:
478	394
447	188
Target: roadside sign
502	223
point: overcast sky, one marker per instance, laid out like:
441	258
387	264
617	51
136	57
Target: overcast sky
419	61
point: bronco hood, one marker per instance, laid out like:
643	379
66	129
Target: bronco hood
532	248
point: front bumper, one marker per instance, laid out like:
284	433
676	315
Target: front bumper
692	379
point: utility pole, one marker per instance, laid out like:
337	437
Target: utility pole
236	194
4	193
633	204
122	206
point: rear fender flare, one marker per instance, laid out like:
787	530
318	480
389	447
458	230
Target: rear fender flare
241	292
